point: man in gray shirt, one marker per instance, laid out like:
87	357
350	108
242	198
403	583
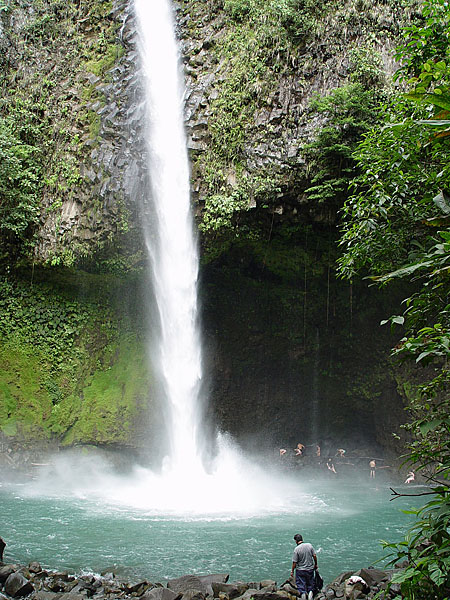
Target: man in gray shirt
304	561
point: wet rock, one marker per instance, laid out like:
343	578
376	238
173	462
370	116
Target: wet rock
2	548
182	584
6	571
16	585
160	593
354	585
372	576
268	583
249	593
266	594
193	595
34	567
232	590
340	579
71	596
45	595
138	588
58	584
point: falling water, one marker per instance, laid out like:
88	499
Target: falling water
170	240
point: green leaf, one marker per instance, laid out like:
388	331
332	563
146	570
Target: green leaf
428	426
434	122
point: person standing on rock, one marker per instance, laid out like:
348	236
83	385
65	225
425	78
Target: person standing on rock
304	561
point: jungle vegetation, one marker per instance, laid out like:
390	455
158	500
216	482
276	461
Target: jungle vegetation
396	226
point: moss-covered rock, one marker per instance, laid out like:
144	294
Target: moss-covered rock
74	365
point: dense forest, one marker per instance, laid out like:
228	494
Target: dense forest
318	137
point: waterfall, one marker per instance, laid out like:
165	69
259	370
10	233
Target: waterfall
234	485
170	239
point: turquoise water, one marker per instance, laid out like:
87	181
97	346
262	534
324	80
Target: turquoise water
80	534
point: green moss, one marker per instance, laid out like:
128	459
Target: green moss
111	400
72	365
25	401
100	66
94	124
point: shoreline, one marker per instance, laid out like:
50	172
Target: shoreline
34	582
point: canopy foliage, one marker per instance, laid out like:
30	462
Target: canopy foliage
396	226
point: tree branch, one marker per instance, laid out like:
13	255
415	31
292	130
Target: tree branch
398	495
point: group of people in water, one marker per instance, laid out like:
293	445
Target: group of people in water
339	458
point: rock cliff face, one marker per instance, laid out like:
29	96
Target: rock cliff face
291	351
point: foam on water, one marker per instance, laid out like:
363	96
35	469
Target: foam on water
235	488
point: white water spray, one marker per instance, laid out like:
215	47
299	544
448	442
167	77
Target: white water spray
171	242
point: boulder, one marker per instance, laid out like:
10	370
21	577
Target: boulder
268	583
372	576
200	583
160	593
34	567
290	589
6	571
137	588
355	587
282	594
193	595
44	595
214	578
340	579
181	585
248	594
232	590
71	596
16	585
2	548
266	594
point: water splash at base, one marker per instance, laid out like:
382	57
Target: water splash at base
236	487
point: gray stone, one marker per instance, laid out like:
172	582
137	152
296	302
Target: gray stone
287	587
193	595
372	576
44	595
268	583
160	593
232	590
16	585
395	588
72	596
266	594
34	567
5	572
342	577
181	585
137	588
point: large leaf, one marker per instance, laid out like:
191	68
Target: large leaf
401	272
434	122
442	200
428	426
440	100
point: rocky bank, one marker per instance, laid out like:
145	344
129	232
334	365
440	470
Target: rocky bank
36	583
